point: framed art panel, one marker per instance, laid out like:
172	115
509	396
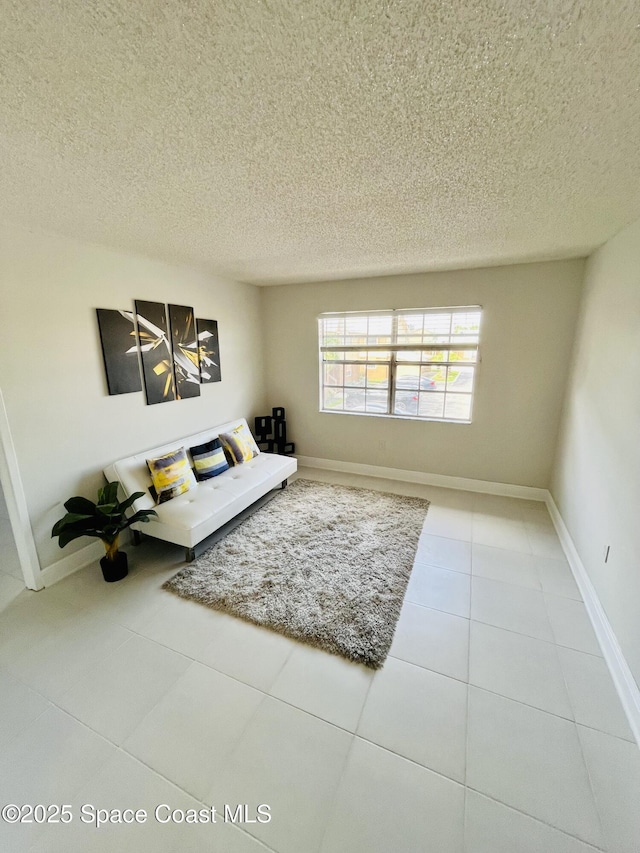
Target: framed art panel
208	350
185	351
155	352
119	350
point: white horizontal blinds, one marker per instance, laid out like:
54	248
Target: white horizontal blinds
356	362
441	330
353	331
407	363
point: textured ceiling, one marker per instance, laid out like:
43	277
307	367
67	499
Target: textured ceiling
283	141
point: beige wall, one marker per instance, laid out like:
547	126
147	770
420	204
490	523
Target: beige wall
529	316
64	425
596	481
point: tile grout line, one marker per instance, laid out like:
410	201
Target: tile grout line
265	693
412	761
591	784
354	735
537	819
178	787
437	609
478	791
118	648
426	565
20	679
573	721
539	639
120	748
334	797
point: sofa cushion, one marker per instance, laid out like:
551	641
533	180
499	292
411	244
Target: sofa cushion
171	475
208	459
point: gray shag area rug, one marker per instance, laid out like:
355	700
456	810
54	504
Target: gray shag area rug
327	565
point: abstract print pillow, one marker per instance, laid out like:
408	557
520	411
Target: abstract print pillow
171	475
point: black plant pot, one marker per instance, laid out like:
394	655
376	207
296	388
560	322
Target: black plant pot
115	570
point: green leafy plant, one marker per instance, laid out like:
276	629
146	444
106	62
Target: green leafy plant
104	520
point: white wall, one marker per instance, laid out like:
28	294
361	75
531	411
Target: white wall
529	314
64	425
596	482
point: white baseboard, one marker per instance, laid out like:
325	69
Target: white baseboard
72	563
442	480
623	679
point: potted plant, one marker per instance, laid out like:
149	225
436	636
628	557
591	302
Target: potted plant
105	520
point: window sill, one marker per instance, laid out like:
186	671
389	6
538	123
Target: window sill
395	417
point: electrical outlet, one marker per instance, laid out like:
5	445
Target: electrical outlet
607	549
382	444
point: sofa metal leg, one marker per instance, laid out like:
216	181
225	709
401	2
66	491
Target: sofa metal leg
283	484
137	537
190	555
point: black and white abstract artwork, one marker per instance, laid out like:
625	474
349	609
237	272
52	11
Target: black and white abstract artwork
184	343
208	350
155	352
119	350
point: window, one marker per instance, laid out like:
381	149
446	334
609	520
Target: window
415	364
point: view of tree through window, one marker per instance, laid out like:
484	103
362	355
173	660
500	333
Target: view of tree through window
418	364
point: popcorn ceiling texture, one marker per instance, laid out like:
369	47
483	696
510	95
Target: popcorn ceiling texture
283	141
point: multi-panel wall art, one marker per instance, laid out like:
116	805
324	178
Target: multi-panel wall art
155	352
177	352
208	350
119	350
185	351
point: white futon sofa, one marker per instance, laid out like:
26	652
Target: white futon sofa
189	518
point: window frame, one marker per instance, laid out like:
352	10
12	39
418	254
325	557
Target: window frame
393	347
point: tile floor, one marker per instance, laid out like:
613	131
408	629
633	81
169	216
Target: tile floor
493	727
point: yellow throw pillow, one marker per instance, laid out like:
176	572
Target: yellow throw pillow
237	446
171	475
244	432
